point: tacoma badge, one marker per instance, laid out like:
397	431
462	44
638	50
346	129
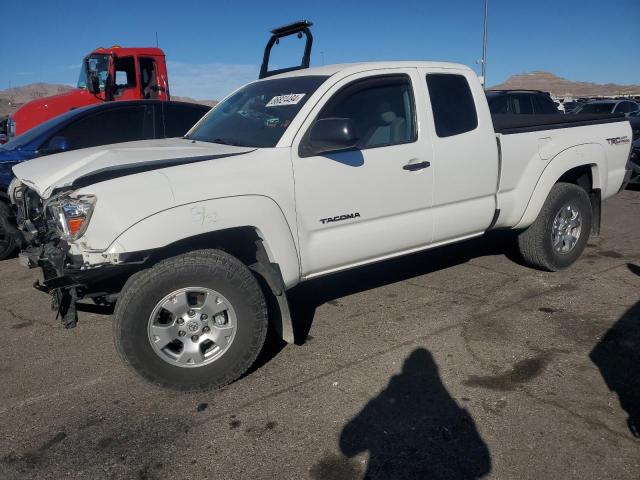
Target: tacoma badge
339	218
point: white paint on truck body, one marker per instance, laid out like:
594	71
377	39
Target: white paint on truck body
285	197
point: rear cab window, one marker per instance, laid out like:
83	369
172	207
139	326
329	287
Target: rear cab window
454	111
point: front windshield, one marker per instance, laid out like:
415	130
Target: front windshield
258	114
597	108
99	63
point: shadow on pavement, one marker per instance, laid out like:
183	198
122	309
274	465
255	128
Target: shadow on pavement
617	356
414	429
305	298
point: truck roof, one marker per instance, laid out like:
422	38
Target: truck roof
124	51
364	66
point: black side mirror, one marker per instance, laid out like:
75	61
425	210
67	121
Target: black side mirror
57	144
330	135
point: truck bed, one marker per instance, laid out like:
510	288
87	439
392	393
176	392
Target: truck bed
536	148
510	123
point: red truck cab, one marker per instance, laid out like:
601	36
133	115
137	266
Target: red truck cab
107	74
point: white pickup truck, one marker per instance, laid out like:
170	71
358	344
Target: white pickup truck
197	239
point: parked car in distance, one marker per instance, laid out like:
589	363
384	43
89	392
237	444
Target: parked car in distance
634	120
608	106
4	137
569	107
521	102
106	123
634	161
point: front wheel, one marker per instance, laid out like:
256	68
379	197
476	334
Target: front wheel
561	231
192	322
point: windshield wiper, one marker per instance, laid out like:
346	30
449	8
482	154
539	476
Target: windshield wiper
222	141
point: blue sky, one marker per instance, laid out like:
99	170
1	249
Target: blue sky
215	46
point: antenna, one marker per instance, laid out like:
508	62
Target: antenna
156	39
484	44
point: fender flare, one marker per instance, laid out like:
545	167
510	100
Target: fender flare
590	154
190	220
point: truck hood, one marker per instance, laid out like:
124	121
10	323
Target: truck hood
92	165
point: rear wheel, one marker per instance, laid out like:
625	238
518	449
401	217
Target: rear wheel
8	246
559	235
192	322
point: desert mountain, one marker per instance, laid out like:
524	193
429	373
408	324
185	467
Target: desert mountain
12	98
562	87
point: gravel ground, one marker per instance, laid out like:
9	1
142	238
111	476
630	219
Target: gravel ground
454	363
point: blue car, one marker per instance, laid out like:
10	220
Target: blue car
106	123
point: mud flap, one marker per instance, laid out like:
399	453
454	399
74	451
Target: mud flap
270	272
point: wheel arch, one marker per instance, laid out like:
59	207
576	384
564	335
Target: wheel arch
582	165
230	220
251	228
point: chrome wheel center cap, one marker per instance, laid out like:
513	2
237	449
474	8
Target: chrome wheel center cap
193	326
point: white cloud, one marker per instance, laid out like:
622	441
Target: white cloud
208	81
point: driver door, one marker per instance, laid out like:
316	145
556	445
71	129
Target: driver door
372	201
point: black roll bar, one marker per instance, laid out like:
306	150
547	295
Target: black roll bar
284	31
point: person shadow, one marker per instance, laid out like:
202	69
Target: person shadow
617	356
414	429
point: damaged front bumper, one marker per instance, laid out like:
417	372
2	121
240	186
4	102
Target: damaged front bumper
67	275
67	279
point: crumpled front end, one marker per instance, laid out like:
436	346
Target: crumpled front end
66	276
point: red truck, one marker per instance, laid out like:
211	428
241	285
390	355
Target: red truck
107	74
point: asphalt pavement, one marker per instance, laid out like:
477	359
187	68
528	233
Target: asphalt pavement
454	363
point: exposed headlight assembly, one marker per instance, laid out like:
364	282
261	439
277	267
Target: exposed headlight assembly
72	215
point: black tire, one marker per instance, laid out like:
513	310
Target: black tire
535	242
204	268
8	245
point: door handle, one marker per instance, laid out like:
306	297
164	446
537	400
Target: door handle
416	166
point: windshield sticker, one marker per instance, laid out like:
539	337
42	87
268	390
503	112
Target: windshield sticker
289	99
